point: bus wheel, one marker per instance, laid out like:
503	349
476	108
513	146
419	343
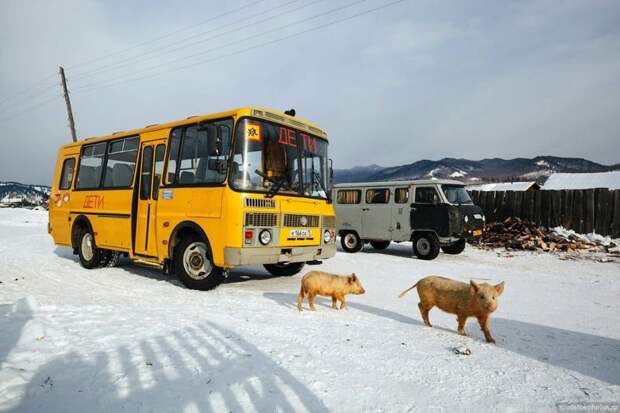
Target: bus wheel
455	248
194	267
90	255
351	242
426	246
380	245
284	270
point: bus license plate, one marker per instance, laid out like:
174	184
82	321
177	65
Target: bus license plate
300	233
477	232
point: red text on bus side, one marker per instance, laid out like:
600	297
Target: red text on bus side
287	137
93	201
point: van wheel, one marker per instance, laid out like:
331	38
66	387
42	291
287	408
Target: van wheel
194	266
351	242
455	248
284	270
380	245
90	255
426	246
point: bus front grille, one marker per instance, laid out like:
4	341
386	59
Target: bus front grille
260	203
261	219
291	220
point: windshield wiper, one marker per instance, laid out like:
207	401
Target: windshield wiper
317	178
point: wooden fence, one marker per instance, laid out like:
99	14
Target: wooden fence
584	211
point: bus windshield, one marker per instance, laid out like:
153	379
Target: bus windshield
274	158
456	194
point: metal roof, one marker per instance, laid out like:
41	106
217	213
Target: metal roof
558	181
400	183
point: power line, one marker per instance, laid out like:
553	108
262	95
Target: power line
184	44
96	87
29	109
163	36
30	91
253	36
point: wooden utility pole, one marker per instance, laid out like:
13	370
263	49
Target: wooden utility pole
68	102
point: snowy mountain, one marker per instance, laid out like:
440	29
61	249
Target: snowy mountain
471	171
15	193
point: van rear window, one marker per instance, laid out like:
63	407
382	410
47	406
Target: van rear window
349	196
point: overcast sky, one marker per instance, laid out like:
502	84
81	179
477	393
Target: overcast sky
416	80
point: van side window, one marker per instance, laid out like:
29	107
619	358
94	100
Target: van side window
349	196
378	196
66	176
120	163
426	195
203	154
91	165
401	195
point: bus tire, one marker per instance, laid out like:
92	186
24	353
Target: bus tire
380	245
90	255
455	248
351	242
194	266
284	270
426	246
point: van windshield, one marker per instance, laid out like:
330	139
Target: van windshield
456	194
268	156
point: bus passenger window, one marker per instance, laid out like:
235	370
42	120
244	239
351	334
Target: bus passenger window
145	176
401	195
120	163
66	177
91	164
175	141
378	196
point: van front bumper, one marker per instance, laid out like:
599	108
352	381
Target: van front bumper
275	255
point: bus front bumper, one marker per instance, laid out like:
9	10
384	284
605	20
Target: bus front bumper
275	255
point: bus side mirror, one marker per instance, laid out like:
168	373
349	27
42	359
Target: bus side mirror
331	169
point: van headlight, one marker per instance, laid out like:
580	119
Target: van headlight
264	237
327	236
466	219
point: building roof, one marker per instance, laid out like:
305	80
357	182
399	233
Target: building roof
504	186
400	183
558	181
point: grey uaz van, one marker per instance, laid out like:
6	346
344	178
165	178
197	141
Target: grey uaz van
433	214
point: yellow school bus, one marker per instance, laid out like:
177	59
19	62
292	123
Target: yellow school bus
199	196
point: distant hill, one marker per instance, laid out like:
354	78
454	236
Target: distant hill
15	193
494	169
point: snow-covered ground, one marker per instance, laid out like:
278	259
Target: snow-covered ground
130	339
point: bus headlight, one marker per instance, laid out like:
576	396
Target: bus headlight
264	237
327	236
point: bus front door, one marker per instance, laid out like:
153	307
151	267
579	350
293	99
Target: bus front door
151	170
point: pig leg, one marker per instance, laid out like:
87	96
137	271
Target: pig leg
300	299
334	306
343	303
311	301
484	325
461	320
424	311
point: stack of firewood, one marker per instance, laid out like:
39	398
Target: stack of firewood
520	234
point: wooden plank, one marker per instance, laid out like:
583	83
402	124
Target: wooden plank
545	208
537	206
588	211
528	205
556	209
518	204
567	207
615	226
509	204
577	223
499	205
490	212
601	218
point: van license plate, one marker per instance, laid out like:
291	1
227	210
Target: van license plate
477	232
300	233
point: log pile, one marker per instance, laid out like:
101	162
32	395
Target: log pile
520	234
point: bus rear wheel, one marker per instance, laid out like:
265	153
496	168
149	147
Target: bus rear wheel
284	270
380	245
194	266
455	248
90	256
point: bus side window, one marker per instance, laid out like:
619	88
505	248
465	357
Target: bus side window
159	169
91	163
66	177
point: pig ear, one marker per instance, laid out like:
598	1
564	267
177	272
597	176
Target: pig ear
499	288
473	287
354	277
350	279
